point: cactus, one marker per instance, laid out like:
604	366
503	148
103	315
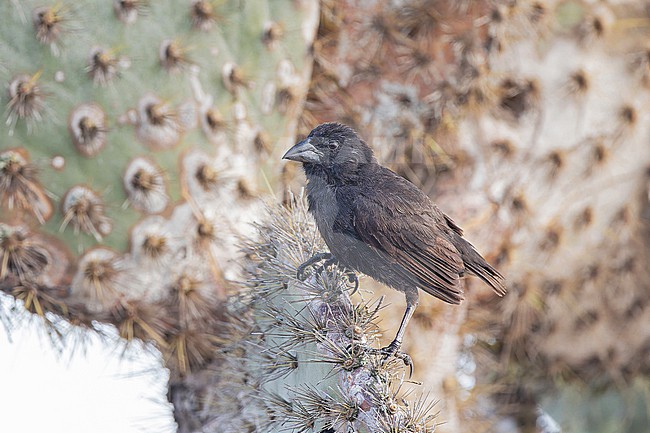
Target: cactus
300	356
525	121
98	93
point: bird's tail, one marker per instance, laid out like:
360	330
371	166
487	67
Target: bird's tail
478	266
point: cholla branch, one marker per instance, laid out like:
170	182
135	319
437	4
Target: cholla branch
303	356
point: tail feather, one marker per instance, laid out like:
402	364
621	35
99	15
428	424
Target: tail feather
476	265
490	275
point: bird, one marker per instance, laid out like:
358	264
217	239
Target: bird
379	224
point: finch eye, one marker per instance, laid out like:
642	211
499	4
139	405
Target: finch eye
333	145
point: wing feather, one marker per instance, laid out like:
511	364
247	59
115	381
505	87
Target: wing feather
414	242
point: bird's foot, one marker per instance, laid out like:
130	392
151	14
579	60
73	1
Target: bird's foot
393	350
301	273
329	260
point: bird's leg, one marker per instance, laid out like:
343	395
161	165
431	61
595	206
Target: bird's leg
393	348
310	262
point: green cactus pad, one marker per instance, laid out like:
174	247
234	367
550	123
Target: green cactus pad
85	93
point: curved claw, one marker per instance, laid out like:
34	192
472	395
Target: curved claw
406	359
300	272
353	279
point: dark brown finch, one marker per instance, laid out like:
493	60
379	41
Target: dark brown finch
380	224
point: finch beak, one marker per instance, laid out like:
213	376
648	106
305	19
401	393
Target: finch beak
304	152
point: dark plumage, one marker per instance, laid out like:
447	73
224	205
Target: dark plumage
382	225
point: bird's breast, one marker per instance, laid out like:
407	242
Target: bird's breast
323	207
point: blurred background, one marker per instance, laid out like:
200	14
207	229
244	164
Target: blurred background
141	138
95	386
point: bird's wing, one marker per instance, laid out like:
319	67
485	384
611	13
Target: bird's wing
401	224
